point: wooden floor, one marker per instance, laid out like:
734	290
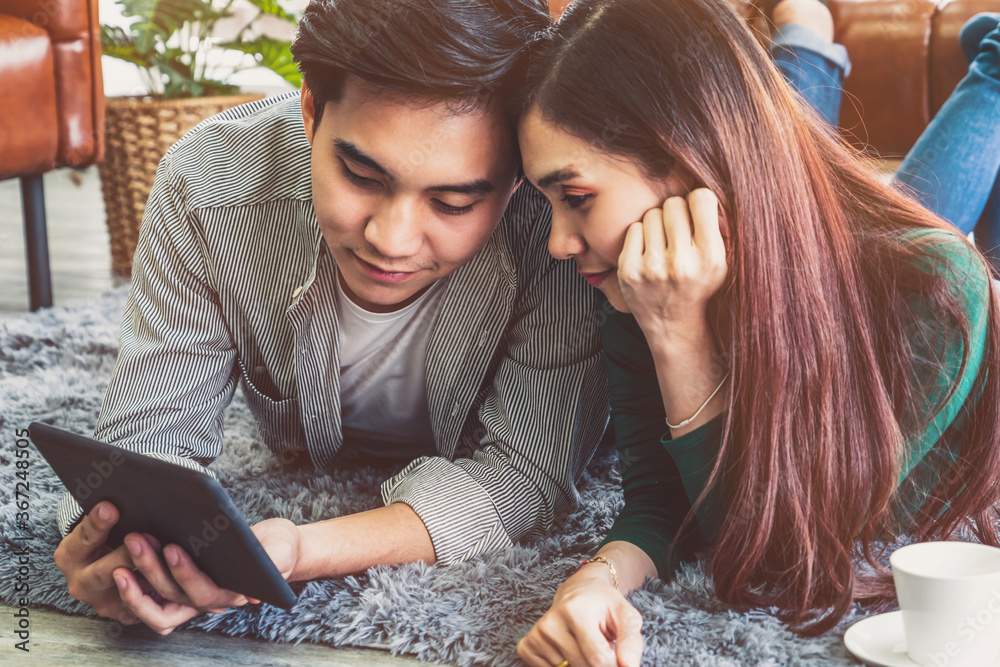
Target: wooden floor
81	269
59	639
79	251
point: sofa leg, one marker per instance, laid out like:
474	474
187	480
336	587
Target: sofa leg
36	241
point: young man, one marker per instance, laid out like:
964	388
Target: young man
360	260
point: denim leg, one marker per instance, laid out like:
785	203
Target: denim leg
988	228
953	167
815	68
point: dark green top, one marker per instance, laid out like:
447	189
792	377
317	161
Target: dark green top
662	477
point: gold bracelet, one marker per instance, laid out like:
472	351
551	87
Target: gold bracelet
602	559
698	411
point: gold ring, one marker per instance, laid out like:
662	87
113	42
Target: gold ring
564	663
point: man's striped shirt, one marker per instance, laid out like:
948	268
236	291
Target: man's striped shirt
233	285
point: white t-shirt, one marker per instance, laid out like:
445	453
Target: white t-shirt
383	391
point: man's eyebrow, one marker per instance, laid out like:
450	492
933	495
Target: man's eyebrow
348	150
480	187
554	177
354	154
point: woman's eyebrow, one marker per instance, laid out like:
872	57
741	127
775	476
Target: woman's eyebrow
557	176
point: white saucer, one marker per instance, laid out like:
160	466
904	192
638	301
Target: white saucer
879	640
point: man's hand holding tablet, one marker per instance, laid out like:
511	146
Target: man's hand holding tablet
166	588
113	558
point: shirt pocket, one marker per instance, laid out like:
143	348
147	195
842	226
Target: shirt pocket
278	421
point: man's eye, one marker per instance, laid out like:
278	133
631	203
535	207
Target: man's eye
576	201
358	179
448	209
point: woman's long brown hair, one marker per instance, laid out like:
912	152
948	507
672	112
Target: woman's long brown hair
818	315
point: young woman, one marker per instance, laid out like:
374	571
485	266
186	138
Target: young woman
825	351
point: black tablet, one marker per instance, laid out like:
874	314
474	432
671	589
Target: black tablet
175	504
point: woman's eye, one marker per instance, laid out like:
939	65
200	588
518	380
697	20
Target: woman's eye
576	201
358	179
448	209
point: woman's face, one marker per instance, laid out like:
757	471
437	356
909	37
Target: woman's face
595	197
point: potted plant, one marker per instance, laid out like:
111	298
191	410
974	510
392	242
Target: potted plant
187	69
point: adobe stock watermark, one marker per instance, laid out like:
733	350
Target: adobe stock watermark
968	629
86	485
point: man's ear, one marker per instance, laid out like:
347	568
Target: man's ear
308	111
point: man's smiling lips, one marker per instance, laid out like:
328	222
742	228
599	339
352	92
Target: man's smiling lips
382	275
596	279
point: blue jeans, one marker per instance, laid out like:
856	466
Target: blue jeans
953	168
816	69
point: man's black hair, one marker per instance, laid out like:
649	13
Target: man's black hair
463	52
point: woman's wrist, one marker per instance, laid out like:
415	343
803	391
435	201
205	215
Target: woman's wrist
631	567
681	341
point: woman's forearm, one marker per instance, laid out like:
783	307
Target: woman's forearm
689	368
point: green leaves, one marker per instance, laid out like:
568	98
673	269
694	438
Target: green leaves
159	20
171	43
272	8
273	54
117	43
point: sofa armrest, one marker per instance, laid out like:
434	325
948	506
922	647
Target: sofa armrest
74	29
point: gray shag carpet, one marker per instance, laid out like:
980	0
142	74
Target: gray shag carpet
55	365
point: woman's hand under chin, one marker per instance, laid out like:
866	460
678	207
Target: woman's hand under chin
672	263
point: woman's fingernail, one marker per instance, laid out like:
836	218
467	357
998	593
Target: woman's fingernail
172	557
122	582
104	513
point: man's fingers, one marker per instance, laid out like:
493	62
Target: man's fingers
95	578
628	637
147	561
85	543
161	618
198	586
154	542
127	618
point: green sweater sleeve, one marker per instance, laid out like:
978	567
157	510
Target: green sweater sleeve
656	500
937	368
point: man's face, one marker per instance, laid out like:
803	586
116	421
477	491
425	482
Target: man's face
405	192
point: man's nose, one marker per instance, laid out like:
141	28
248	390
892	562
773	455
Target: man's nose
397	229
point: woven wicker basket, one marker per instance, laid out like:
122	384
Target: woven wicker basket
138	131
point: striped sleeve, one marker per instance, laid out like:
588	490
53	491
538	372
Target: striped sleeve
174	373
541	419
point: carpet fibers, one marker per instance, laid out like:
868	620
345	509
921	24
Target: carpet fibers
54	366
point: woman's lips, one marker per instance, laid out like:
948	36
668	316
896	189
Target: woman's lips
596	279
381	274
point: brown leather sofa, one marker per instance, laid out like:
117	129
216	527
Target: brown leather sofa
906	61
51	108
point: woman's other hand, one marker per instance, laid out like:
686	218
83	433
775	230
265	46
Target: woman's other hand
590	624
672	263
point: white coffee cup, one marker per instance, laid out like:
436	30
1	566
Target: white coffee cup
949	593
